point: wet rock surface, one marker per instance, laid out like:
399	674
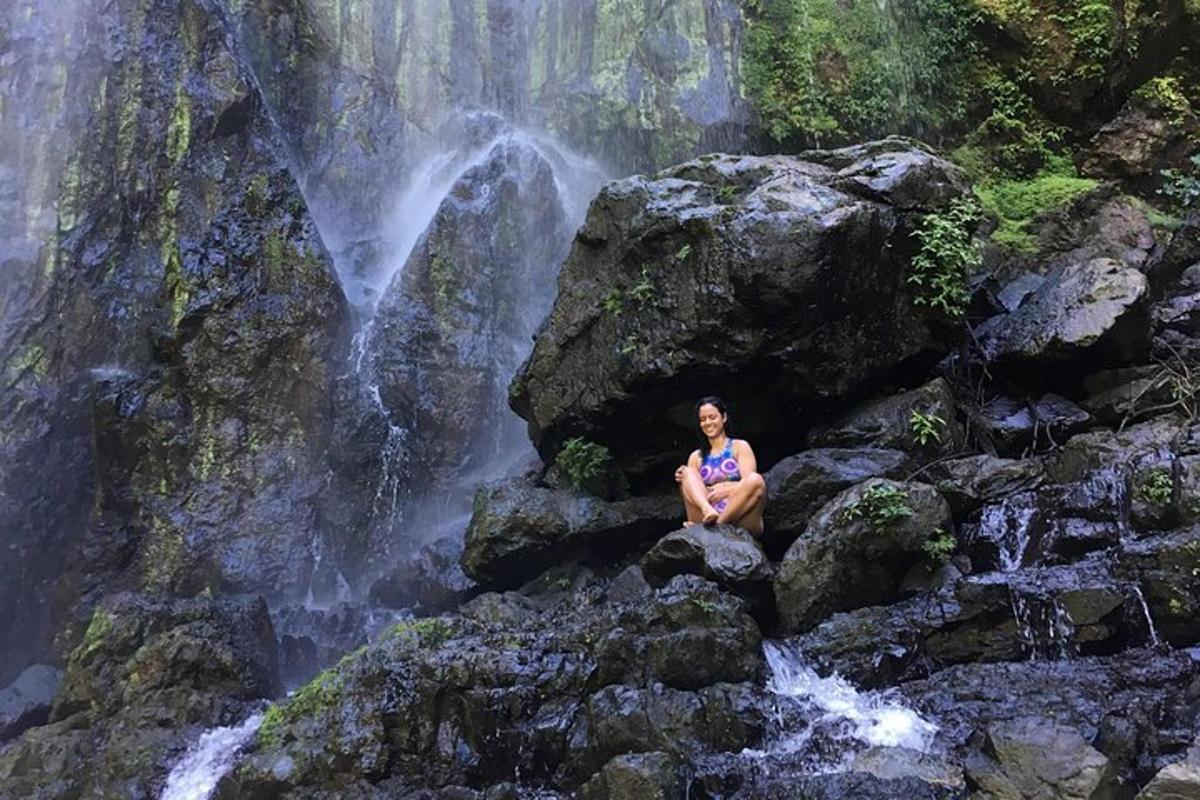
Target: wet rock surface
855	547
731	255
728	556
148	676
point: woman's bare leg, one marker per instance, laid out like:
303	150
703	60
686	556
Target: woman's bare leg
694	514
746	503
695	492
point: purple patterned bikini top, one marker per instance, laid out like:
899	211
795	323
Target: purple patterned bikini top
721	467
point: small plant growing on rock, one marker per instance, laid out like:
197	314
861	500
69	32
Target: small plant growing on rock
940	546
881	506
727	194
643	290
1182	187
705	605
926	428
426	632
1156	489
612	303
681	255
582	461
948	254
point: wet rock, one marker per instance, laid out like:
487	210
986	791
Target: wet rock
430	580
1148	688
636	776
1167	568
1128	393
1086	453
969	483
851	786
1015	427
799	485
857	549
148	677
1037	758
1180	254
728	556
891	763
653	278
921	422
504	688
26	701
1086	311
1145	138
1177	781
519	529
170	373
1041	612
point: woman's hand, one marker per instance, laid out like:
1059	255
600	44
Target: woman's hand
720	491
679	473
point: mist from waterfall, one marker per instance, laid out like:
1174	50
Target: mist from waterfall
429	96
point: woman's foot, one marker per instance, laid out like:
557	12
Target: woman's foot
710	516
687	523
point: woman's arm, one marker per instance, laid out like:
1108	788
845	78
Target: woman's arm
747	463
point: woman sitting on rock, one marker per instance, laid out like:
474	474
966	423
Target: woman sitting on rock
720	483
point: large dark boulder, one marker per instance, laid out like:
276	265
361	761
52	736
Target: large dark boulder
1086	312
922	422
1155	130
150	675
778	282
728	556
857	549
518	529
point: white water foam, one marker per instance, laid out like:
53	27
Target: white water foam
870	718
212	755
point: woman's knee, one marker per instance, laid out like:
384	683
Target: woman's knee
757	483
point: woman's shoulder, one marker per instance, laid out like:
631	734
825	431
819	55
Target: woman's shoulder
741	445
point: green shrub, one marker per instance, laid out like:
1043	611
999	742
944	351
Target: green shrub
926	428
582	461
1157	487
946	258
940	546
882	506
1182	186
1016	203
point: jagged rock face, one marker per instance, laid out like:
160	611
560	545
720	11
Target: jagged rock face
776	282
147	673
452	328
468	700
171	354
1087	312
1149	135
855	549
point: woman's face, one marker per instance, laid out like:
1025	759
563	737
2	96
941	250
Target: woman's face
712	421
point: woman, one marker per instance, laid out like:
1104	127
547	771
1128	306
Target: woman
720	483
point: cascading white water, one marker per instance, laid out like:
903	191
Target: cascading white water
204	764
831	708
1007	524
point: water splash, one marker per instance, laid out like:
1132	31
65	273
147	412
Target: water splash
204	764
828	719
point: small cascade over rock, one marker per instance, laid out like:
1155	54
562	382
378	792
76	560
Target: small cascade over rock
826	720
196	775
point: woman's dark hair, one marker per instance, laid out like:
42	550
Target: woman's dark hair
719	404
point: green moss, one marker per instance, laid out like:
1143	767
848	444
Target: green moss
273	253
441	275
30	360
162	556
179	129
1016	203
98	628
429	632
257	194
316	696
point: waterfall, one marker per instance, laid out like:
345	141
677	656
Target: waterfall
826	719
208	759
